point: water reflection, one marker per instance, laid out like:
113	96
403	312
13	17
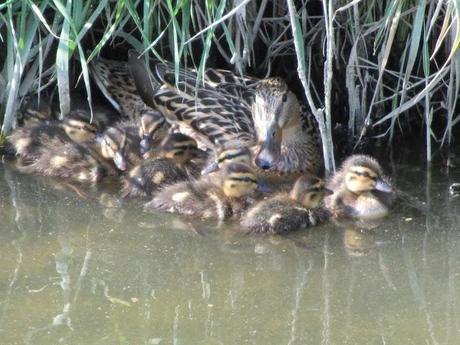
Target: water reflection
95	270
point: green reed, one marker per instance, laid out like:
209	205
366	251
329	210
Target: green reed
396	61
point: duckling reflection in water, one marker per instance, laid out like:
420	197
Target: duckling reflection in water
360	190
230	196
173	164
358	242
285	212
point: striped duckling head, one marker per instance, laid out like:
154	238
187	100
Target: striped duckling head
36	109
152	130
309	191
238	180
113	144
78	128
180	147
229	154
364	174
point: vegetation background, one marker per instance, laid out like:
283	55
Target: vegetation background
366	68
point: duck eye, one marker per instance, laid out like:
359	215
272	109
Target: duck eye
284	99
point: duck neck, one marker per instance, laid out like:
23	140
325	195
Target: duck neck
300	146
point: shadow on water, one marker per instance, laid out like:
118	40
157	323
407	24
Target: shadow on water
91	270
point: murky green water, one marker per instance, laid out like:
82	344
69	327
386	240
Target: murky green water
73	272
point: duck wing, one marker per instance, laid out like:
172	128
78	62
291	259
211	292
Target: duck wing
215	116
117	85
213	111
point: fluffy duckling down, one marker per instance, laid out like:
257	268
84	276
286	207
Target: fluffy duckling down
228	194
27	141
360	190
173	164
128	143
285	212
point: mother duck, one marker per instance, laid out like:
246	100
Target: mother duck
262	114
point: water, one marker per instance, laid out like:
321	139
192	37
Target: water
76	272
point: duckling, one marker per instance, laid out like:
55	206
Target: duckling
233	193
35	109
153	128
173	164
26	140
264	114
285	212
233	152
127	142
70	161
360	190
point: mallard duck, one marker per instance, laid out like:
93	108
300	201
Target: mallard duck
225	107
172	164
361	190
115	82
285	212
232	194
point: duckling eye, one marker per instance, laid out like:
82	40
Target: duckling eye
284	99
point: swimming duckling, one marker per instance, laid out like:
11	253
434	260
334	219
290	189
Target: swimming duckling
285	212
173	164
361	191
233	193
70	161
27	140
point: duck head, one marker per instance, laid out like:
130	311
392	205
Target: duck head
309	191
272	111
364	174
152	128
238	180
180	147
79	129
113	145
229	154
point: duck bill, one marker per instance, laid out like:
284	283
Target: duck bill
267	156
120	161
327	191
214	166
383	186
146	145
